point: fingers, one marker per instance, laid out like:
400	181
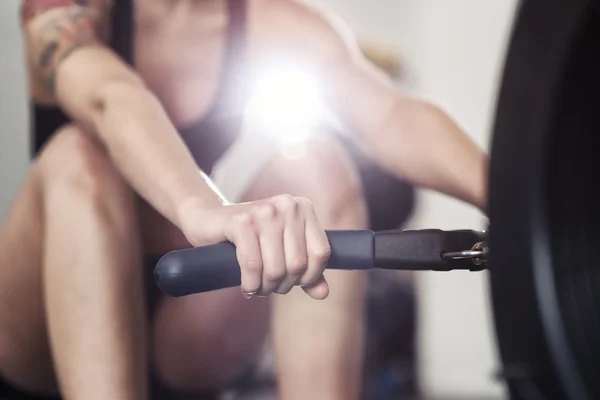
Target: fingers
296	258
280	244
249	256
318	290
318	252
271	245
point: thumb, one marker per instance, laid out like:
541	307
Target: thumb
318	290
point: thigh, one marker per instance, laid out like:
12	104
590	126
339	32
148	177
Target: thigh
24	351
70	157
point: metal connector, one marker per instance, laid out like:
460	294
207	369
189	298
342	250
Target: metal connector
477	254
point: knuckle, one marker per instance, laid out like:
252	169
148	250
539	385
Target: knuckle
274	274
322	254
285	202
265	211
298	265
243	220
252	265
243	223
304	203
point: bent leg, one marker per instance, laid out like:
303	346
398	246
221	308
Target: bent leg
92	276
24	349
319	344
83	277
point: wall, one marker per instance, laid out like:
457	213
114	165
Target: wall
463	44
394	24
13	107
455	49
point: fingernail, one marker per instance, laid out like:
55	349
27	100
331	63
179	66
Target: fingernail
248	295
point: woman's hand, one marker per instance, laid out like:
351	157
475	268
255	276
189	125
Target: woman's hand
279	242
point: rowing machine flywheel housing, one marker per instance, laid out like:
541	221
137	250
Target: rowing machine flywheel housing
544	206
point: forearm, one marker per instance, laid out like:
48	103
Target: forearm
420	143
71	67
319	345
148	151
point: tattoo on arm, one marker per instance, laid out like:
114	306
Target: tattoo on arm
32	8
60	34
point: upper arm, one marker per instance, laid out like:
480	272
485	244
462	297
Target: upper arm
54	30
359	94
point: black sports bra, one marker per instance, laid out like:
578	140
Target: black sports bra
217	130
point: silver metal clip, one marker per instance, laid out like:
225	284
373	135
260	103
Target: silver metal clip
477	254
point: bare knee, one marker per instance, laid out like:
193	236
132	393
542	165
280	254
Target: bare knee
72	172
325	175
73	158
74	164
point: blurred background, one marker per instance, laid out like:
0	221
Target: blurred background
449	50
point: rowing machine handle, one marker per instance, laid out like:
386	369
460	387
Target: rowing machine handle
203	269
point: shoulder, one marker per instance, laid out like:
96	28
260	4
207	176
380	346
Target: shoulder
302	26
38	13
30	9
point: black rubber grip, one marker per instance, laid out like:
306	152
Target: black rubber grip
204	269
421	250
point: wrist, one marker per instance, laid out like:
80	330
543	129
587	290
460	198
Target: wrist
192	207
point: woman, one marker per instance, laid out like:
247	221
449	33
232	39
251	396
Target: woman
72	306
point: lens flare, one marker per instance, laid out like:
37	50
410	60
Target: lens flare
286	104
